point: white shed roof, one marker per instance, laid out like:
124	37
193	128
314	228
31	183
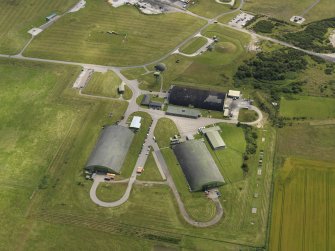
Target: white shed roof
233	93
136	122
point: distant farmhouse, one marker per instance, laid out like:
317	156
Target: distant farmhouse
198	165
110	150
191	97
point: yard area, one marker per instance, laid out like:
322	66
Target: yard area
88	35
106	85
308	107
229	160
151	172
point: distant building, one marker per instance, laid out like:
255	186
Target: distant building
204	99
146	100
215	140
50	17
198	166
121	88
136	122
183	112
234	94
155	105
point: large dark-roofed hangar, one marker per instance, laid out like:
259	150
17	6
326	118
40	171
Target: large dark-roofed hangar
110	150
204	99
198	165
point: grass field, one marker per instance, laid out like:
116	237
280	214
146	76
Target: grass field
229	160
165	129
87	39
151	171
111	192
17	17
106	85
194	45
214	70
208	9
309	107
284	10
303	207
307	141
133	73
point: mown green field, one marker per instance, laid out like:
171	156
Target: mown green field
194	45
308	106
284	10
17	17
40	117
106	85
303	206
214	70
87	39
207	8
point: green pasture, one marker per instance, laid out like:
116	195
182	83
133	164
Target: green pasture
307	141
308	187
208	8
17	17
89	36
308	106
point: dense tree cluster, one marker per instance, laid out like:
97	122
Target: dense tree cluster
251	136
313	36
273	65
263	26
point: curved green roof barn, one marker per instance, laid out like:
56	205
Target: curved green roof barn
198	165
110	150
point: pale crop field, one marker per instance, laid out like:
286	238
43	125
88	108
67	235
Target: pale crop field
303	207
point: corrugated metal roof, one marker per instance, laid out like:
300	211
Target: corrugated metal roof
136	122
215	139
210	129
233	93
183	111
